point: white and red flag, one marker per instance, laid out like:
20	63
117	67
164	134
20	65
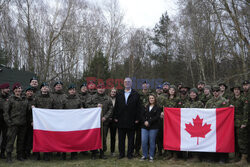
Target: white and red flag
196	129
66	130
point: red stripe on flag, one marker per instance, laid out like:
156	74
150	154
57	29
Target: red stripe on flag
70	141
225	129
172	128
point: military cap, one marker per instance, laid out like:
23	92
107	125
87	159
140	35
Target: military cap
44	84
100	86
208	87
216	88
4	86
72	86
29	88
201	82
236	86
166	83
193	90
185	86
245	82
58	82
172	86
83	84
16	85
222	83
33	78
159	87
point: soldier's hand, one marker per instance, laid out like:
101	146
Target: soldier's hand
33	106
146	123
99	105
116	120
136	121
243	126
162	114
103	119
231	105
31	123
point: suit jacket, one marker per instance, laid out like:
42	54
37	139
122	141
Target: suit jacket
152	117
127	114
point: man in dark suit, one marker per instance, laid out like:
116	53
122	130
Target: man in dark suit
126	114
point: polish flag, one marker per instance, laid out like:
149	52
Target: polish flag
71	130
201	130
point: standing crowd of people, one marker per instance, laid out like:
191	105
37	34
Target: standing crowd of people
137	115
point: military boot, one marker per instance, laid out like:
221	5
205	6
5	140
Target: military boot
20	157
9	158
102	156
2	155
243	160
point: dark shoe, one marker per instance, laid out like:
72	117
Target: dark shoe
93	156
38	156
46	157
20	158
63	156
9	158
121	156
2	155
73	155
130	156
137	154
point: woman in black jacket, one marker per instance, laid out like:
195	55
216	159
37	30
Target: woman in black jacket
150	119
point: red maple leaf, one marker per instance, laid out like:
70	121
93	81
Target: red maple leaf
197	130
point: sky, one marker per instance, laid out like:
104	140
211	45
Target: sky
145	13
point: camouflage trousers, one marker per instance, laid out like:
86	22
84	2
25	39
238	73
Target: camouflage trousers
16	131
242	139
104	137
3	132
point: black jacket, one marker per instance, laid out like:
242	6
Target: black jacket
152	117
127	114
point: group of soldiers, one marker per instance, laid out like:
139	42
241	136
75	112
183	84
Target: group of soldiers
16	113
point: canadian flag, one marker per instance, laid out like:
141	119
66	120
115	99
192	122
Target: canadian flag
66	130
196	129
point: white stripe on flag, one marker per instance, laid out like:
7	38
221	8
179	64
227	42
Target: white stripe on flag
66	120
207	144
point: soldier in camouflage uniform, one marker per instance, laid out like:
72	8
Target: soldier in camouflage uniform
165	88
35	85
44	100
158	90
183	98
223	91
193	102
200	87
90	96
58	96
72	102
28	144
217	101
4	95
100	99
83	93
15	117
206	95
240	123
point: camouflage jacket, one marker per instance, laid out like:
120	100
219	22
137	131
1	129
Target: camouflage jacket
15	110
59	99
107	105
240	115
72	102
205	98
219	102
31	102
226	95
89	103
83	97
193	104
144	98
44	101
181	101
3	99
